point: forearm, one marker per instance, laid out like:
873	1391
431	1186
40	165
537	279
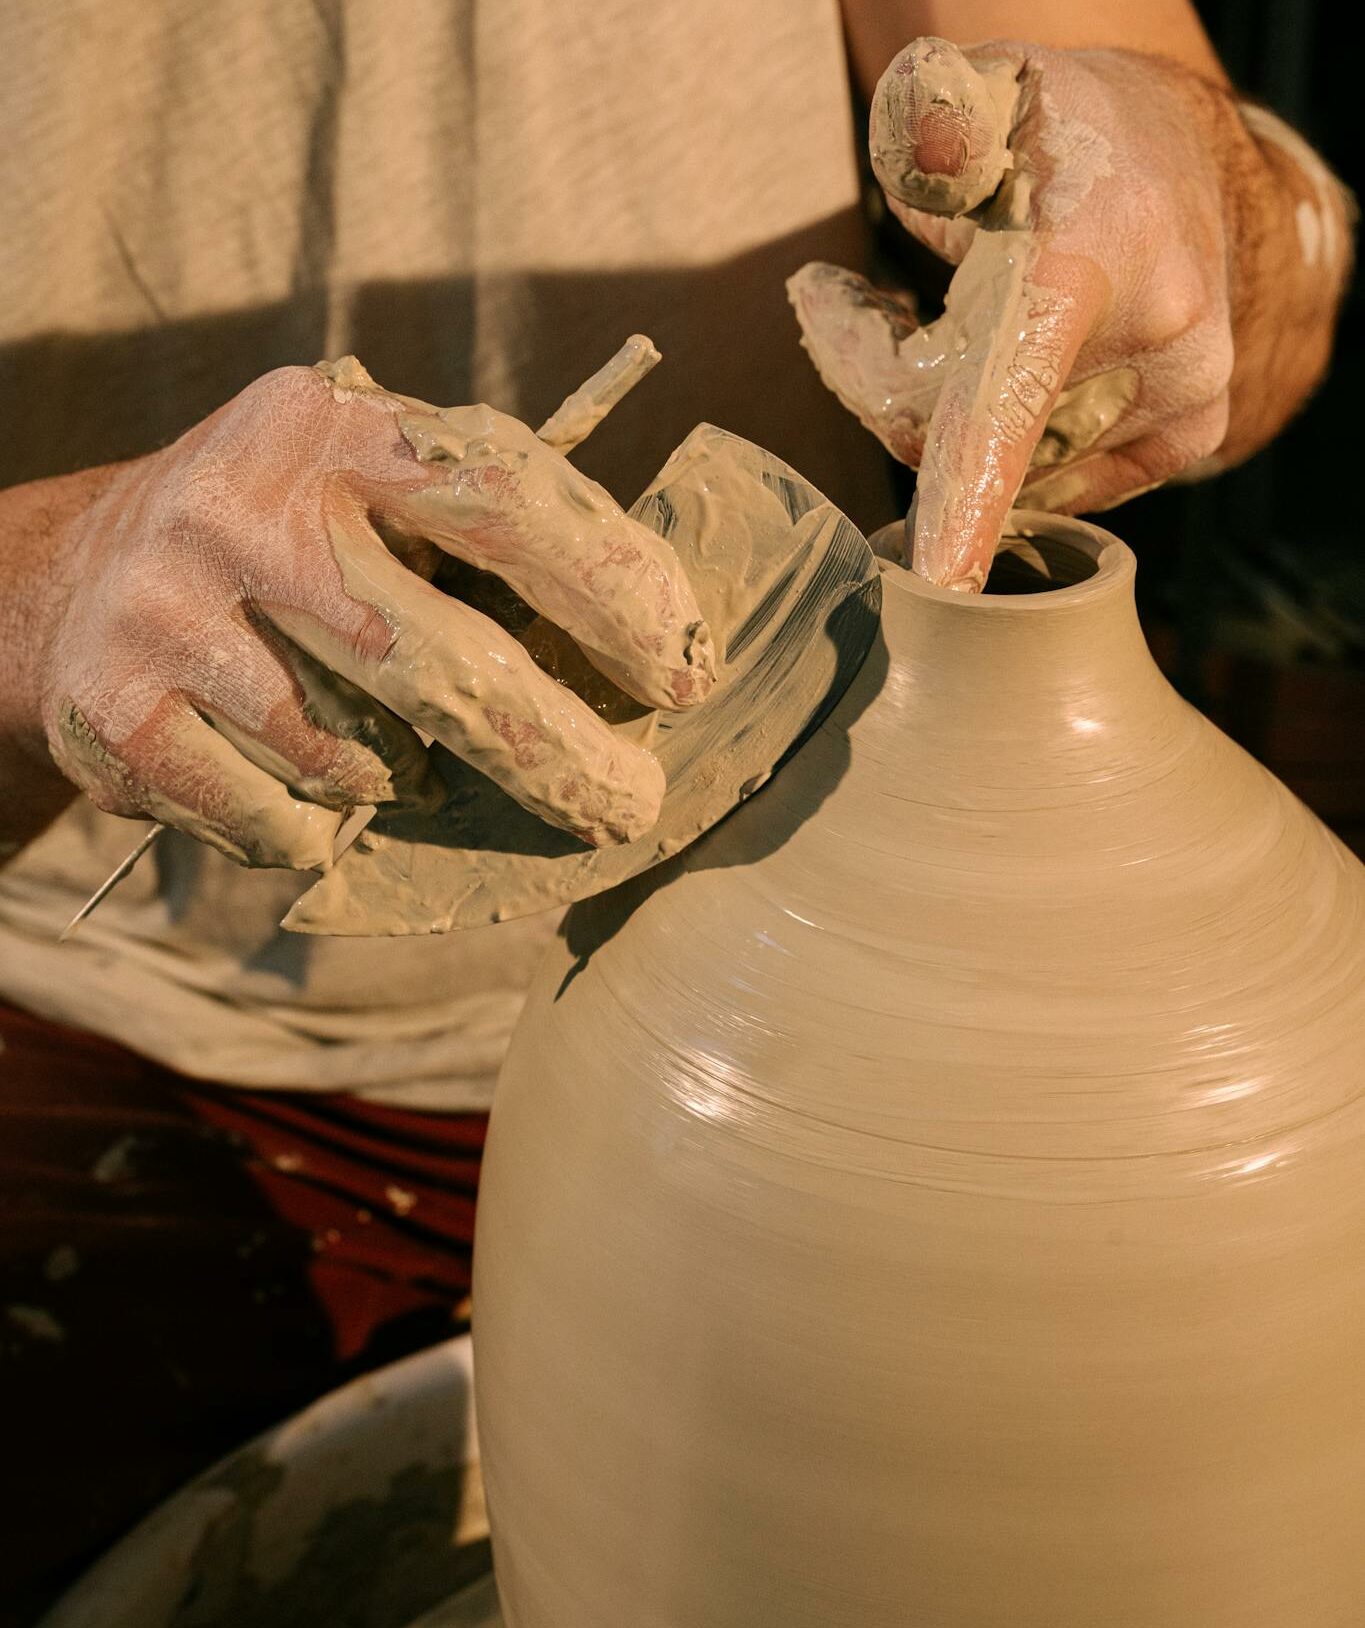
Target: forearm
877	29
1290	249
35	527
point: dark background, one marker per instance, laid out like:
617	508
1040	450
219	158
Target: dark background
1253	585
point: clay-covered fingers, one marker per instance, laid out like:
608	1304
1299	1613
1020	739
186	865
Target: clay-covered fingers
1086	349
240	655
321	736
870	350
244	742
940	127
460	678
967	398
167	763
498	498
1017	315
1104	479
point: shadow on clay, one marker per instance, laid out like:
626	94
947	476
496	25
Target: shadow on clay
764	822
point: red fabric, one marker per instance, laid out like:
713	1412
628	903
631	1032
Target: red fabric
181	1265
385	1196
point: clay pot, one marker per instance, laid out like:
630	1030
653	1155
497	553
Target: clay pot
939	1199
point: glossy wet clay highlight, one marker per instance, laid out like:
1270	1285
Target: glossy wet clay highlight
936	1197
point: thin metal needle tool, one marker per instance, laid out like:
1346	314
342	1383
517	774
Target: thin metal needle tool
110	882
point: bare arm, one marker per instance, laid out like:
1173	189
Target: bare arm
877	29
35	523
218	635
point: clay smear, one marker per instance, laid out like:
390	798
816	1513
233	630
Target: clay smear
996	350
579	414
786	582
1319	235
502	502
493	495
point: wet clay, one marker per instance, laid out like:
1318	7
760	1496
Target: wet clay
995	314
963	368
932	87
937	1199
579	414
788	586
583	565
491	494
869	348
285	830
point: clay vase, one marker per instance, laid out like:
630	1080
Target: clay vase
938	1200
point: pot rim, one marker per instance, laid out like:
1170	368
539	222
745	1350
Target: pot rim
1112	569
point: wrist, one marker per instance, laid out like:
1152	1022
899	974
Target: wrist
1289	225
39	525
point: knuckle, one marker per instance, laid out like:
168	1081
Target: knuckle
1172	309
268	423
284	387
347	777
1181	317
373	637
1206	431
1211	365
1155	460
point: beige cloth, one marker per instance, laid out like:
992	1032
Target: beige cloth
481	201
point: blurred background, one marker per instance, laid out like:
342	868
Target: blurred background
1252	586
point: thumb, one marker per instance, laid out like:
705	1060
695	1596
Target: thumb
940	126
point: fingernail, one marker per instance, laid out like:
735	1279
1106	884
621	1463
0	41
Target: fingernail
300	840
942	145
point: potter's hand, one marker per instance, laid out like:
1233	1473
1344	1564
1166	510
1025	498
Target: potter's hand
239	638
1147	279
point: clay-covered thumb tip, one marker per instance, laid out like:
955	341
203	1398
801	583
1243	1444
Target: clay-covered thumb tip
938	130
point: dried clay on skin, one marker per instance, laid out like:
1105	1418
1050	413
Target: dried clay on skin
1086	350
496	486
251	644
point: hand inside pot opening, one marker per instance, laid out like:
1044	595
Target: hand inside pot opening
1137	295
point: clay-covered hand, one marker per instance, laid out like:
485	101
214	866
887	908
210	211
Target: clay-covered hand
240	639
1147	277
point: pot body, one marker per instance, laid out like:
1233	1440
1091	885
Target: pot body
938	1198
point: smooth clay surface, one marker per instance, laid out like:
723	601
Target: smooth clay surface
938	1197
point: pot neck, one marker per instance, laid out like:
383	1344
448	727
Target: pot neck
1053	644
